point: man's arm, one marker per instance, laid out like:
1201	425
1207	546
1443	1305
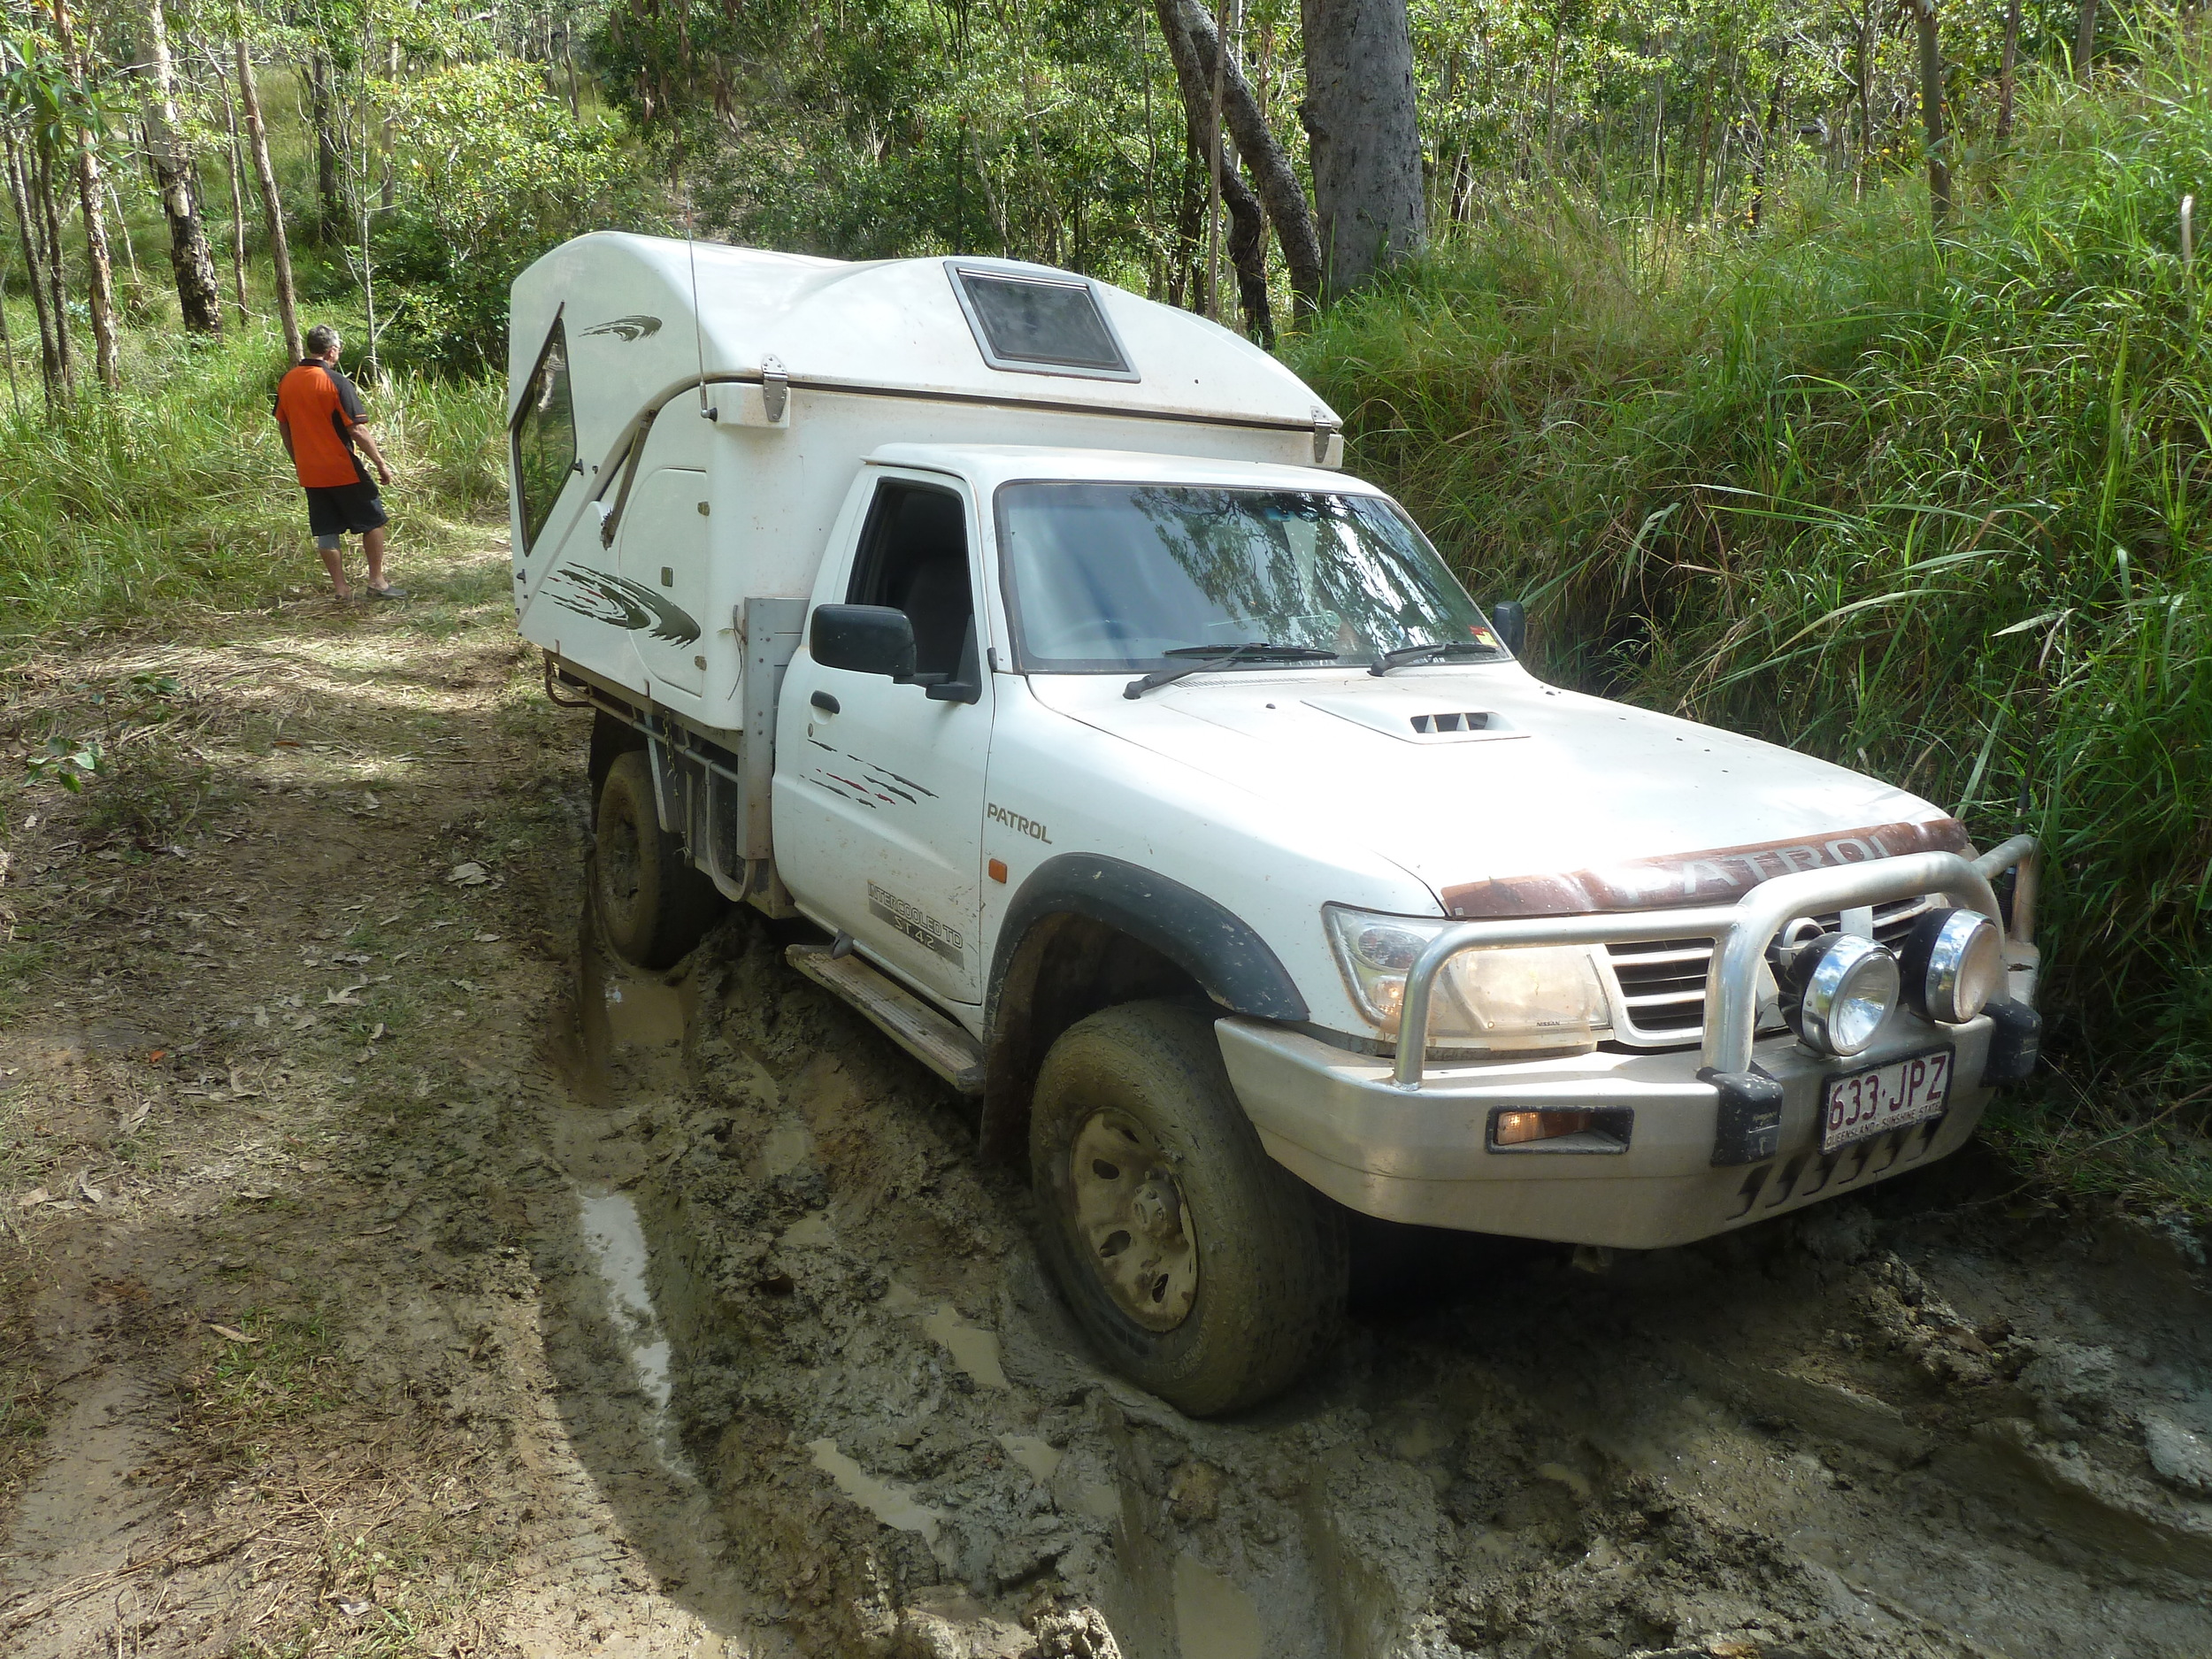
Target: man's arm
284	431
361	435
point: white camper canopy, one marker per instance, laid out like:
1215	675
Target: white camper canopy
662	315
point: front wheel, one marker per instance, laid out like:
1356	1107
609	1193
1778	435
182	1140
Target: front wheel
1204	1270
653	904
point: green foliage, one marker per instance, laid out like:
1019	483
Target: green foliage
67	761
491	170
1049	130
1931	510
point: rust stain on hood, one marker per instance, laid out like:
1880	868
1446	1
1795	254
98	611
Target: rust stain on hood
1715	875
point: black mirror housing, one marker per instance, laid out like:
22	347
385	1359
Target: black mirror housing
1509	618
866	639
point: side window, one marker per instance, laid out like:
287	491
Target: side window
914	557
545	436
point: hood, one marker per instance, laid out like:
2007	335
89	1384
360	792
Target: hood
1506	796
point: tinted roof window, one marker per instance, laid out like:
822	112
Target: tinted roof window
1022	321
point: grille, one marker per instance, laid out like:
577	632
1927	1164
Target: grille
1662	983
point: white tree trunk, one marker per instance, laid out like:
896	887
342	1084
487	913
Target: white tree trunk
199	295
272	205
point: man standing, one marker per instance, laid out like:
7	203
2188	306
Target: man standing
318	413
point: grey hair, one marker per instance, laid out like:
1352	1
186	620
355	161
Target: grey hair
320	338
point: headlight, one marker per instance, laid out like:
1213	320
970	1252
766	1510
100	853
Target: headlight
1545	996
1846	987
1952	963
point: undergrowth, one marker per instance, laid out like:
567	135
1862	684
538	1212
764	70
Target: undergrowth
176	493
1933	508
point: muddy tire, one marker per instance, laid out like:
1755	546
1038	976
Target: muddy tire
653	905
1203	1271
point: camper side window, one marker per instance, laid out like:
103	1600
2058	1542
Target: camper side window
545	436
914	557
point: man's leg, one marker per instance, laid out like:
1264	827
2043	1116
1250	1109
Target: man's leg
373	549
333	548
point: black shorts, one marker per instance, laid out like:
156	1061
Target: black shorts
342	507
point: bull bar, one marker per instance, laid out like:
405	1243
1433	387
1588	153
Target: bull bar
1741	932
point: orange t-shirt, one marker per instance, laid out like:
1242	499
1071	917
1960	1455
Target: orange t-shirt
316	404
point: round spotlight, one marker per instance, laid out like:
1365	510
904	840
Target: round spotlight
1845	988
1953	965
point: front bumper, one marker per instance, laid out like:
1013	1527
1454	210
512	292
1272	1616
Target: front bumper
1717	1136
1336	1120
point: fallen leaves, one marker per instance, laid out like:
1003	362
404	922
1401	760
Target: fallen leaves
231	1332
31	1200
468	875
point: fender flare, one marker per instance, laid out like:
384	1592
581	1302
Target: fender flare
1216	948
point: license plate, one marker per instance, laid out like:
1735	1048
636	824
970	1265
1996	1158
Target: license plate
1862	1103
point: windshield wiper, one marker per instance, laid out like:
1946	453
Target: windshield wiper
1406	654
1220	656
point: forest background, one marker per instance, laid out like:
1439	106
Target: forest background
1829	369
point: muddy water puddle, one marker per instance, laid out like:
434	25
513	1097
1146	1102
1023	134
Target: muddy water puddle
1893	1430
616	1241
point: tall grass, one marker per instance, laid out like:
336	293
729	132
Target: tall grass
176	493
1933	508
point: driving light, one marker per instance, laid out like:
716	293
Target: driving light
1845	988
1953	964
1546	996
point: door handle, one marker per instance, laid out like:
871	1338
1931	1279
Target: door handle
826	703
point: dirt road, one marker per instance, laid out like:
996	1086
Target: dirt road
383	1273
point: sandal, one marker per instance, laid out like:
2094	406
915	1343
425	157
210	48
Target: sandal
388	592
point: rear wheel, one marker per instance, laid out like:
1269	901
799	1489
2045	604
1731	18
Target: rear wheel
653	905
1204	1270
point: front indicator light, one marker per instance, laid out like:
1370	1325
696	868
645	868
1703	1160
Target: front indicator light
1953	965
1601	1129
1846	987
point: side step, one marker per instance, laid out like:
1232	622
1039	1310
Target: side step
919	1029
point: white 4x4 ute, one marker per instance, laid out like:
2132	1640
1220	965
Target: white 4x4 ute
1160	787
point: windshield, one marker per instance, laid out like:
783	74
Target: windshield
1106	578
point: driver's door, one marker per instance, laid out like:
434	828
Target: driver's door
879	791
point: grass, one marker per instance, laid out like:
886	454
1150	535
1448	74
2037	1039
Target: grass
1933	508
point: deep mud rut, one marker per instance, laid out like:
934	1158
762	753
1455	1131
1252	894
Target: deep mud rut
585	1311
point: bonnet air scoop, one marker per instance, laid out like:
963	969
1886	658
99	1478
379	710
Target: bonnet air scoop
1413	720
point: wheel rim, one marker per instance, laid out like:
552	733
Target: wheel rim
1132	1221
619	865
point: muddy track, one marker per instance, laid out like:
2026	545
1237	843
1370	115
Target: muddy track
587	1311
1921	1424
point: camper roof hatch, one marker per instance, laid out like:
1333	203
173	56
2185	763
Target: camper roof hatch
1030	325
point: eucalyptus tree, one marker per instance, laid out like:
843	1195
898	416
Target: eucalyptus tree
52	122
199	297
33	102
1274	179
1369	203
265	181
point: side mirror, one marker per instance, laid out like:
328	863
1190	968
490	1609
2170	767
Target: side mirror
866	639
1508	619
